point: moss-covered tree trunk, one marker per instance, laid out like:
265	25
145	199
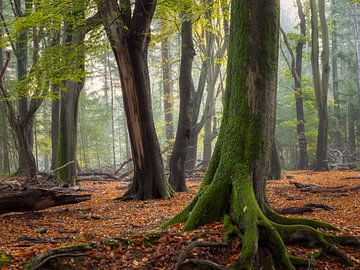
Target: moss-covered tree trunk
233	189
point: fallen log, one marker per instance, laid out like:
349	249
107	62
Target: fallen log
34	199
100	174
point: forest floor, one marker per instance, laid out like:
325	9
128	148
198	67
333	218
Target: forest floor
133	226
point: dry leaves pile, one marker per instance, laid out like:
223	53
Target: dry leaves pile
133	226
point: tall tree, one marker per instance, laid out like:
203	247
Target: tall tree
321	79
335	79
357	48
209	73
233	189
74	36
178	156
128	29
295	65
21	117
168	98
4	151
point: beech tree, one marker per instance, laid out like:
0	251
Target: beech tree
128	29
233	189
295	65
178	156
321	79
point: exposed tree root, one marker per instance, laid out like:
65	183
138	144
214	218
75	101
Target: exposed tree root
261	232
307	208
181	260
71	251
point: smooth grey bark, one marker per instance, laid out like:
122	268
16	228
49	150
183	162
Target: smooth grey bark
168	98
335	83
321	80
55	118
208	65
178	155
357	48
295	66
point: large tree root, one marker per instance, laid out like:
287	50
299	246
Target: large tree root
260	231
71	251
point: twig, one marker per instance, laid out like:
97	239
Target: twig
63	166
193	245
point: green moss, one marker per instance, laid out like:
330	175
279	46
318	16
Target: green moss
5	259
232	231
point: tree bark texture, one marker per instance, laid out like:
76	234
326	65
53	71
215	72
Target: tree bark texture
233	190
69	103
321	79
129	34
178	156
168	98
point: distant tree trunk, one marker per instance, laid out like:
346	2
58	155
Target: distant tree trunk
129	37
209	71
167	94
69	102
4	150
335	82
178	156
55	118
275	165
23	103
112	112
303	156
208	138
357	48
296	71
351	129
321	82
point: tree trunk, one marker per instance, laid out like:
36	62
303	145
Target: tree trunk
233	190
303	156
275	165
55	118
335	83
357	48
69	102
23	103
351	129
167	94
130	44
321	82
4	150
178	156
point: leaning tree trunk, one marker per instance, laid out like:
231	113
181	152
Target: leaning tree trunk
129	38
178	156
233	189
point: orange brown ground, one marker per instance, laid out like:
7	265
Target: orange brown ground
131	224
